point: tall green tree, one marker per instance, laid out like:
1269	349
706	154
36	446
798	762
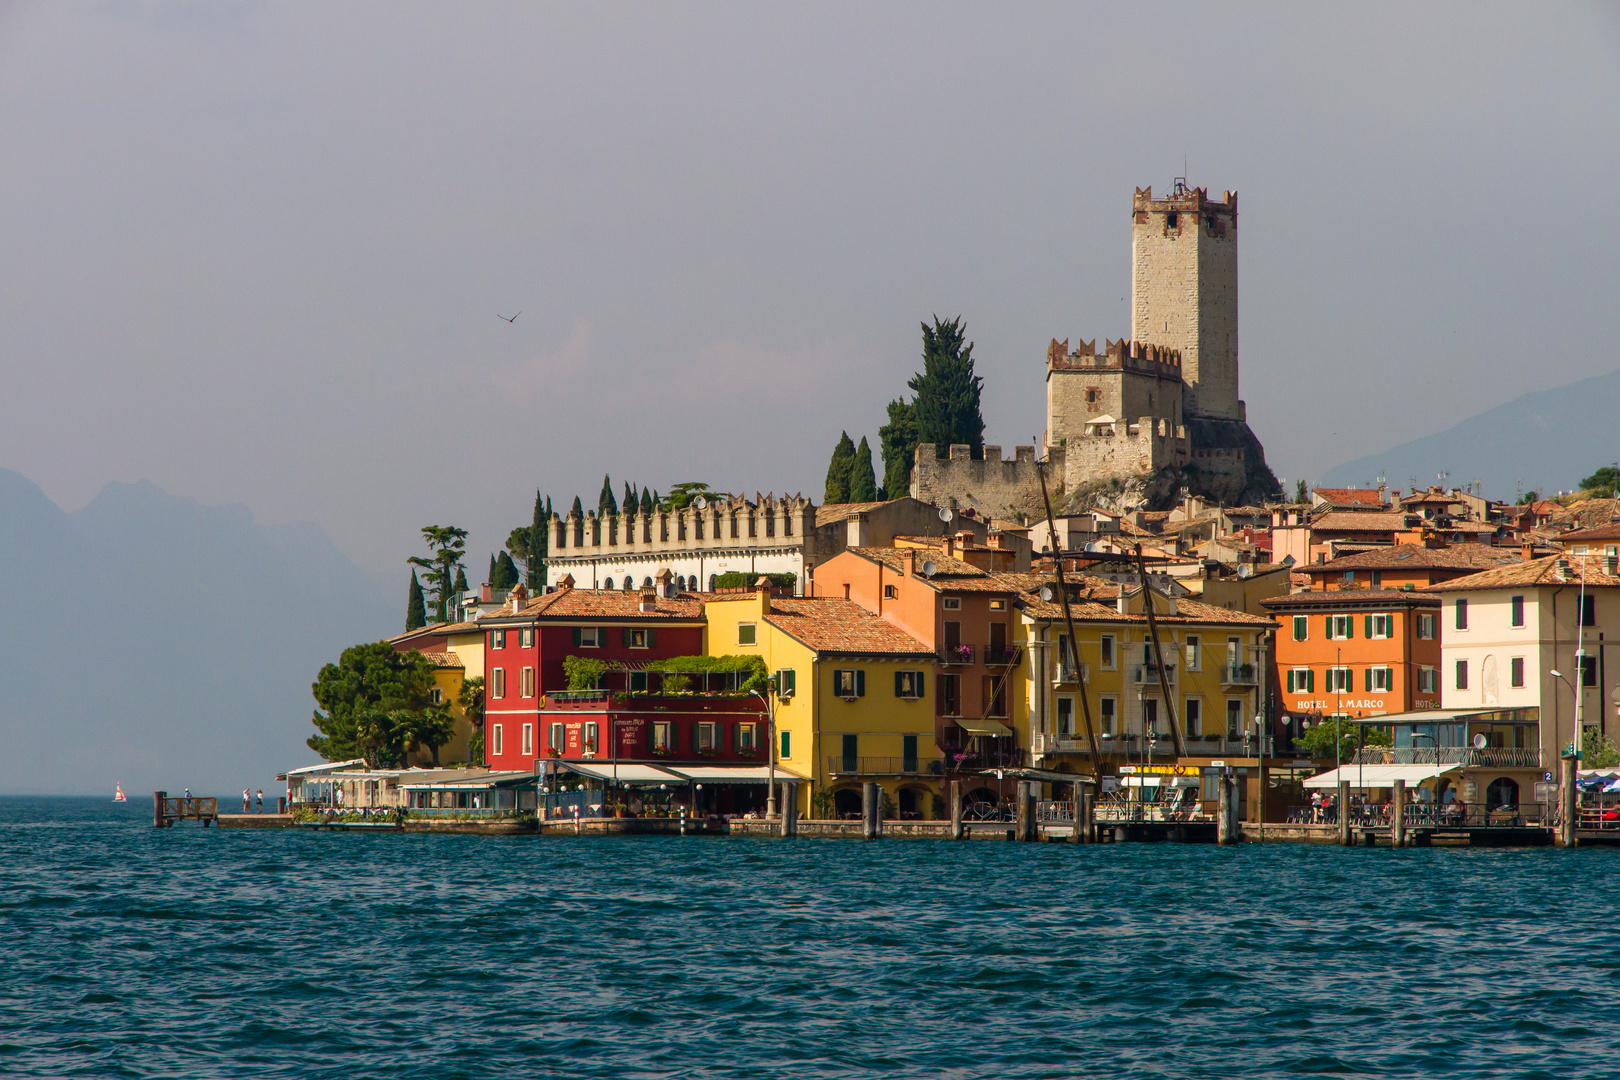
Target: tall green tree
506	572
447	544
862	478
471	699
431	727
1606	481
647	504
605	502
578	508
539	545
415	606
358	695
493	570
461	580
630	502
947	401
683	493
838	470
899	441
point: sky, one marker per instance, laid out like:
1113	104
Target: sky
257	252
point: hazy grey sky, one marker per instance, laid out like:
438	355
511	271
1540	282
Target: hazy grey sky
255	252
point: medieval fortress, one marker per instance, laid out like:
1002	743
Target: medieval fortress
1151	415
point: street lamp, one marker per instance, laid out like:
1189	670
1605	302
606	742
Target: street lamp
769	700
1574	745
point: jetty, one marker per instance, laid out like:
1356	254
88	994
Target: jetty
167	811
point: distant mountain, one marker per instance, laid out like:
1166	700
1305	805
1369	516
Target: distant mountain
1544	441
158	642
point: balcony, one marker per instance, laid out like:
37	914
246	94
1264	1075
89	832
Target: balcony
1163	746
972	761
1002	657
1492	757
839	765
1240	675
1064	674
1148	674
956	654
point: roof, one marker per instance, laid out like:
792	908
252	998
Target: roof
1350	598
1089	606
433	630
1358	521
1588	514
1414	556
834	512
600	604
1534	572
950	575
837	627
1608	531
443	659
1351	496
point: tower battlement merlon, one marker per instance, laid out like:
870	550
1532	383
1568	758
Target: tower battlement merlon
1192	200
1122	355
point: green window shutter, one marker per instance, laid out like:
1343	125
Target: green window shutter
898	677
1368	680
577	638
1369	627
1310	682
1389	679
1349	626
627	637
860	682
651	636
1290	680
922	680
1327	625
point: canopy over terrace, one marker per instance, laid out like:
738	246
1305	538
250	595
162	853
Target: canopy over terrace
484	791
1367	777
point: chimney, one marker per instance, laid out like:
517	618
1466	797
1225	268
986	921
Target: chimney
856	531
950	547
1527	550
665	579
486	593
1563	569
908	562
566	583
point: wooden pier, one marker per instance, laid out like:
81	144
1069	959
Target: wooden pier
167	811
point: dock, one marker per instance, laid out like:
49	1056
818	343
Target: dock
166	811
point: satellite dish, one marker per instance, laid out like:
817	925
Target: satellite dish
1047	593
928	568
1479	742
946	513
1091	545
700	502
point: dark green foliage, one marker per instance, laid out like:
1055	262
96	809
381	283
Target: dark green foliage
447	544
683	493
415	606
737	581
1317	742
1301	493
647	503
584	672
432	727
471	699
579	508
605	502
898	439
534	560
1606	479
461	579
725	674
489	579
1531	496
838	470
506	572
368	696
630	501
862	479
947	401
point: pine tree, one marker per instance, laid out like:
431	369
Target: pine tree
947	402
447	544
506	572
862	479
605	503
838	470
461	585
415	606
579	507
647	503
899	441
539	541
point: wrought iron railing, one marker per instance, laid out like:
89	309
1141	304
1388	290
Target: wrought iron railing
1499	757
1240	675
956	654
839	764
1002	657
1148	674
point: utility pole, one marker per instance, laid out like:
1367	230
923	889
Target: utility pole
1158	655
1068	621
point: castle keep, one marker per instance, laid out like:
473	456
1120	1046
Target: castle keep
1151	414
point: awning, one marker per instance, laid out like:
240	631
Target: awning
1051	776
1378	776
323	767
1523	717
482	782
626	772
982	725
731	774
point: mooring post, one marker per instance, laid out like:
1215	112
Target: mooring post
1345	839
958	831
157	808
1082	814
870	809
1397	816
1028	830
1568	802
1223	813
790	808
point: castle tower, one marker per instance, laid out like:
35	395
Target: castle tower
1184	291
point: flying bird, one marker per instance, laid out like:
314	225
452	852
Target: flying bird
498	315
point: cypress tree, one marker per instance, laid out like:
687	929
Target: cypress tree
605	503
647	504
579	507
539	539
629	503
862	480
947	402
415	606
838	470
899	441
493	571
506	572
461	585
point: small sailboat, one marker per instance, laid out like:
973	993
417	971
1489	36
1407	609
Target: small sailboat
118	793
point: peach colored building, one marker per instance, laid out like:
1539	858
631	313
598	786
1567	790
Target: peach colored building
1358	652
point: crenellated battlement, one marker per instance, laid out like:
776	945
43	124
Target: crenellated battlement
1184	199
1122	355
784	520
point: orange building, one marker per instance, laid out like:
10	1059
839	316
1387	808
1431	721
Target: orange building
1357	652
1410	563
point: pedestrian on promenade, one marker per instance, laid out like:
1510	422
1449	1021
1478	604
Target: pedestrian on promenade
245	800
261	800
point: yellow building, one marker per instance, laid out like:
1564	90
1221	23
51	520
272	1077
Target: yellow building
853	703
456	651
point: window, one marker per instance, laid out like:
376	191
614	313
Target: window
849	683
708	735
998	605
1462	675
1092	396
747	738
908	753
588	637
1301	680
590	737
1341	627
891	592
1589	610
1462	617
1379	680
1195	718
1065	659
1426	625
638	681
1375	578
556	738
497	639
950	695
908	684
1108	652
995	696
1172	220
1192	652
638	639
1234	651
497	683
1339	680
1589	671
953	603
526	637
1065	716
1516	670
849	753
787	682
495	741
526	682
1380	626
746	633
1518	611
1428	680
787	744
436	696
607	583
528	740
1234	718
1109	709
1301	628
663	736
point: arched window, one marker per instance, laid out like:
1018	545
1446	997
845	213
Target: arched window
712	579
680	583
646	583
1501	792
629	583
607	583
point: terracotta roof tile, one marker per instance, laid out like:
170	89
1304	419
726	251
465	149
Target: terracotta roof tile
1535	572
444	659
601	604
950	575
1358	521
1351	496
1372	599
831	512
841	627
1609	531
1413	556
1095	600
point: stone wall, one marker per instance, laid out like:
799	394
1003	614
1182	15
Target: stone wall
992	486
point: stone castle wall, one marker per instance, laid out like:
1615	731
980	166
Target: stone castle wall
990	485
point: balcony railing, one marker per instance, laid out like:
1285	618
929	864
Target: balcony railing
1148	674
839	765
1240	675
1063	675
1002	657
1492	757
956	654
1197	745
977	761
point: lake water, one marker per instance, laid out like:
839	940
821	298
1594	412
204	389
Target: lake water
133	952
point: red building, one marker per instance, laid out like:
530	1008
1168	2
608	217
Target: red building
527	640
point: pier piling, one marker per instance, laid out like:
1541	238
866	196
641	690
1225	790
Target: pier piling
1344	814
1223	813
1568	800
1397	817
790	808
871	810
958	831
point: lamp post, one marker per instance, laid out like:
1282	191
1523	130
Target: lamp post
769	700
1559	675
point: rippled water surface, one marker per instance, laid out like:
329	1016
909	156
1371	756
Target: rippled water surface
132	952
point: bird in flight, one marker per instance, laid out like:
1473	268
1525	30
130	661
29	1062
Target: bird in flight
498	315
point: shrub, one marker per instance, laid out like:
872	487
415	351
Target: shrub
737	581
584	672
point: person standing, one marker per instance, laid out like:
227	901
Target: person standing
245	800
261	801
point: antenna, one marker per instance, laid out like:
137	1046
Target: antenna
701	503
929	569
946	513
